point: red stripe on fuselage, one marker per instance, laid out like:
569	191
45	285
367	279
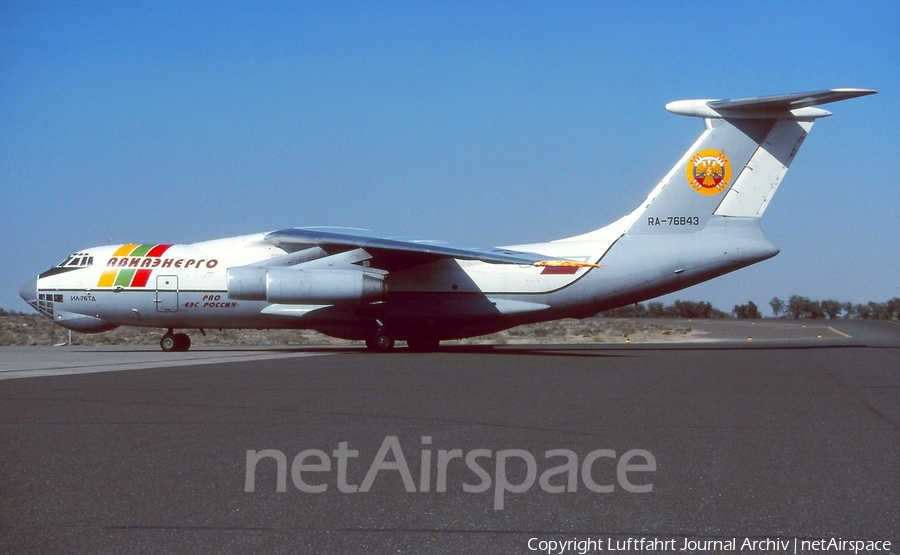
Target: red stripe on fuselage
140	278
158	250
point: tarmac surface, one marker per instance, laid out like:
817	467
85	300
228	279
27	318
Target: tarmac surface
768	431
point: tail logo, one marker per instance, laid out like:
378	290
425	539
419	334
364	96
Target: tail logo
708	172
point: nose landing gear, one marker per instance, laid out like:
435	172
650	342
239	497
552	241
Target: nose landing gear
175	342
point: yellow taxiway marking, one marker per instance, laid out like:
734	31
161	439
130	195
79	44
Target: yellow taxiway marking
842	334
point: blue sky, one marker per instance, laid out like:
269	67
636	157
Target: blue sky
481	122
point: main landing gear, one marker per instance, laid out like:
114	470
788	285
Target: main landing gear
175	342
423	344
382	342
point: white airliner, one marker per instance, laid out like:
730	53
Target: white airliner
699	222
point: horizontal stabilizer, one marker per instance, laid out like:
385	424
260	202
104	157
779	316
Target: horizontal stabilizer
782	106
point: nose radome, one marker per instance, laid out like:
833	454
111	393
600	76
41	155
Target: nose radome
28	292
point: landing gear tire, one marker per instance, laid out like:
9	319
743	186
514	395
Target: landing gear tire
381	342
168	343
183	340
175	342
423	344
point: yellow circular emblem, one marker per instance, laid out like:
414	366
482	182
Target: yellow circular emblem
709	172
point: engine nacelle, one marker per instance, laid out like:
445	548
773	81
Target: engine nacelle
294	285
247	283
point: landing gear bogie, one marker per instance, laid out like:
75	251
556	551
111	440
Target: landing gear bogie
380	342
423	344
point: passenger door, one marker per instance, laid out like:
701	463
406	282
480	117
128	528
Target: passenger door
167	293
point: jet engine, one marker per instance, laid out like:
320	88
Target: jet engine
298	285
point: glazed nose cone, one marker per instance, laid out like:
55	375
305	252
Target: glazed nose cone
28	292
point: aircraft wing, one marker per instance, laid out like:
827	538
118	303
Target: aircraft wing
396	251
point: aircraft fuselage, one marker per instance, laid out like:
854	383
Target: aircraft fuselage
700	221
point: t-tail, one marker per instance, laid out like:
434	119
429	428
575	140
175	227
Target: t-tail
716	193
737	164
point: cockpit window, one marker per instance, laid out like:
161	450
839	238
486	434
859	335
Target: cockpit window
77	260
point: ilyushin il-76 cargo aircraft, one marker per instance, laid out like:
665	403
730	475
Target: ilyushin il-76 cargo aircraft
699	222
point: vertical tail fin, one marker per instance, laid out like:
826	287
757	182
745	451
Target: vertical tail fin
736	165
702	219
